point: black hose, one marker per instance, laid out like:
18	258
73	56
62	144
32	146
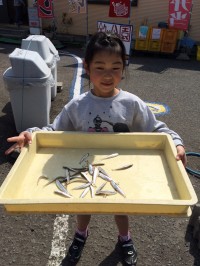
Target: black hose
190	170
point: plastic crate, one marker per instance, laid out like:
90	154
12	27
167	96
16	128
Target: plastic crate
198	53
170	35
141	45
154	46
143	32
168	47
156	34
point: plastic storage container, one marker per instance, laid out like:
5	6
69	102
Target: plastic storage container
45	48
154	46
168	47
141	45
170	35
29	82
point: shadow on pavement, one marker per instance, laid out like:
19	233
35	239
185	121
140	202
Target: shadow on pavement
192	244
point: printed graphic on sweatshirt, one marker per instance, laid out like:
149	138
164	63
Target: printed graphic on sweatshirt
98	127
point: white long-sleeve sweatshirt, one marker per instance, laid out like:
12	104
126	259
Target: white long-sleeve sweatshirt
122	112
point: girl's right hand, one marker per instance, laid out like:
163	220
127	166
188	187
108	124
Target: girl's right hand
21	140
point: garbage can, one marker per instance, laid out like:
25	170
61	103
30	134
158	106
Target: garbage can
45	48
29	82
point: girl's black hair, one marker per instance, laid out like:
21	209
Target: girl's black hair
101	41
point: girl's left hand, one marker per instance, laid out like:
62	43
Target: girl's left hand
181	154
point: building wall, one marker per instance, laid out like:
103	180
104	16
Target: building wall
150	12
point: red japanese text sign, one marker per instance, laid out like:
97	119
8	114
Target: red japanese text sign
179	14
45	8
119	8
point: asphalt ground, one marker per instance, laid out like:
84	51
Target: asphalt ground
160	240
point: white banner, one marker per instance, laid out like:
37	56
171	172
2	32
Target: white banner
123	31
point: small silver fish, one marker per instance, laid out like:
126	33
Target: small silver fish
61	187
85	191
106	192
105	177
98	164
83	186
102	170
90	169
67	175
92	191
100	188
62	193
94	176
123	167
84	157
110	156
117	188
85	176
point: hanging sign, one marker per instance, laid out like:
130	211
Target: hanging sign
77	6
179	14
123	31
119	8
45	8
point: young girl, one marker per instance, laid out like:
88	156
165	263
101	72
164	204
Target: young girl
104	108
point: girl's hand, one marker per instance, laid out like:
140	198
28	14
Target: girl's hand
21	140
181	154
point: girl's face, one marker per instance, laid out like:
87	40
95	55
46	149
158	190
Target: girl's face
105	72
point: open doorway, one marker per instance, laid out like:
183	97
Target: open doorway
12	12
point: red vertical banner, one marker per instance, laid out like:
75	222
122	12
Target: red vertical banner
119	8
179	14
45	8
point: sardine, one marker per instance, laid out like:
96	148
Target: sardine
85	191
92	191
102	170
123	167
85	176
61	187
62	193
110	156
94	177
100	188
84	157
117	188
106	192
105	177
67	175
90	169
98	164
83	186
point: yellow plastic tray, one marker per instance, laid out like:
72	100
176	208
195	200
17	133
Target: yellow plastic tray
156	184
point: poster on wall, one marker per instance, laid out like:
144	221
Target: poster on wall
123	31
77	6
119	8
179	14
45	8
